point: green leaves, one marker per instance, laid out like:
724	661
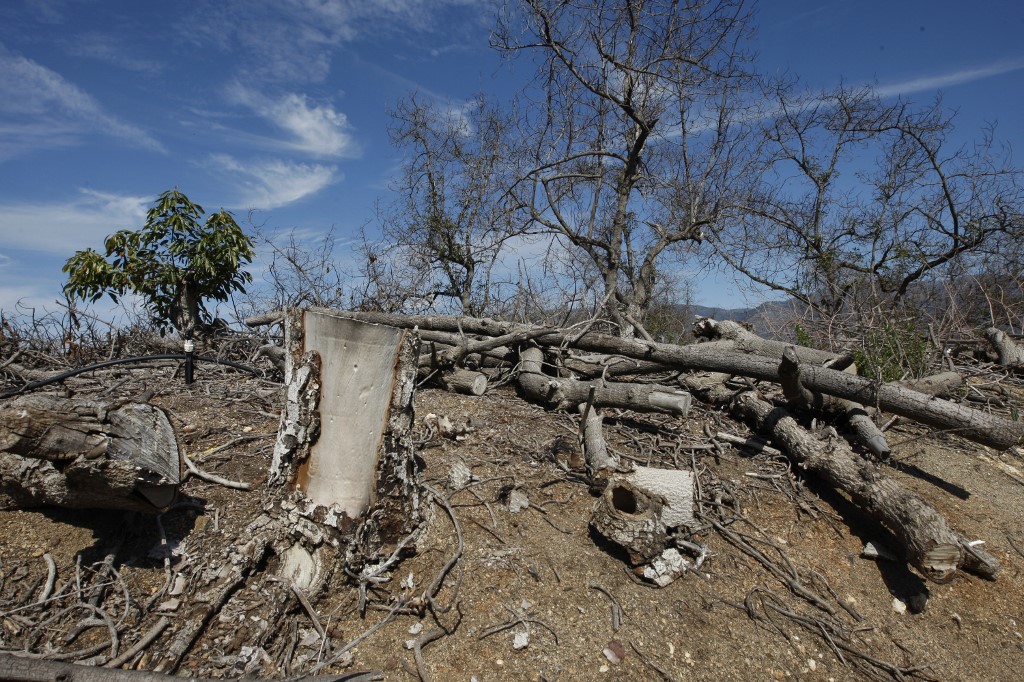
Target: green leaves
174	262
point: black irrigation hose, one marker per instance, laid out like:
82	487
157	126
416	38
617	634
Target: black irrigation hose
121	361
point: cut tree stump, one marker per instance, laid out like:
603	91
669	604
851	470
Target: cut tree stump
344	445
87	455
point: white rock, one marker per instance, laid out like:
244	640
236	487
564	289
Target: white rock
521	640
899	606
518	501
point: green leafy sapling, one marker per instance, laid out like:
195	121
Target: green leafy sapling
175	263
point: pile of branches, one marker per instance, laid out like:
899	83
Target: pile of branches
579	369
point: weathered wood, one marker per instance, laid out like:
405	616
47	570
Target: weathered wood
1009	353
465	381
567	394
747	341
595	449
939	385
83	454
926	540
863	427
629	517
724	356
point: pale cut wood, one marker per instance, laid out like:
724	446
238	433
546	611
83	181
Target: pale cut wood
357	376
465	381
345	446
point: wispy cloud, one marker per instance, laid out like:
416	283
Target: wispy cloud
64	227
314	129
271	184
40	109
292	41
108	49
949	79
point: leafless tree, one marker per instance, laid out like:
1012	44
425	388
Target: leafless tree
861	202
638	130
443	239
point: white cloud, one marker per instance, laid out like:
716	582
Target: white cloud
40	109
315	129
65	227
950	79
270	184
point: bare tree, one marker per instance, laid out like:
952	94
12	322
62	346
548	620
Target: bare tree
443	239
861	202
639	134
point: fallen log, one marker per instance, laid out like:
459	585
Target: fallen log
926	540
567	394
723	356
798	395
940	385
81	454
1011	356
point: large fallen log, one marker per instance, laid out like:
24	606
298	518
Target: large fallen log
81	454
926	540
723	356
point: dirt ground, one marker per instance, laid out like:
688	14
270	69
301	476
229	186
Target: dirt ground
534	594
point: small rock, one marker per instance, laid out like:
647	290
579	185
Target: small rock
874	550
415	628
899	606
521	640
614	651
518	501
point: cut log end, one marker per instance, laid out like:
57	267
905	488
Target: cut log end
465	381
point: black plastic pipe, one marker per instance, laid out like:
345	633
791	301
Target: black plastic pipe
122	361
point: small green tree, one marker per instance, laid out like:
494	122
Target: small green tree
174	262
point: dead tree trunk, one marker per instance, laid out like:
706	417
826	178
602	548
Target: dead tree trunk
345	443
81	454
342	487
926	539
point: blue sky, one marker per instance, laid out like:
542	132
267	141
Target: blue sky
281	106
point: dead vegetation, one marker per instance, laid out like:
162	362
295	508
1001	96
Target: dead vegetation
782	575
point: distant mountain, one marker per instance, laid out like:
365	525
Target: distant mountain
765	318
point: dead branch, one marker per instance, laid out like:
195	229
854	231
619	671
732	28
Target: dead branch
927	540
724	356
